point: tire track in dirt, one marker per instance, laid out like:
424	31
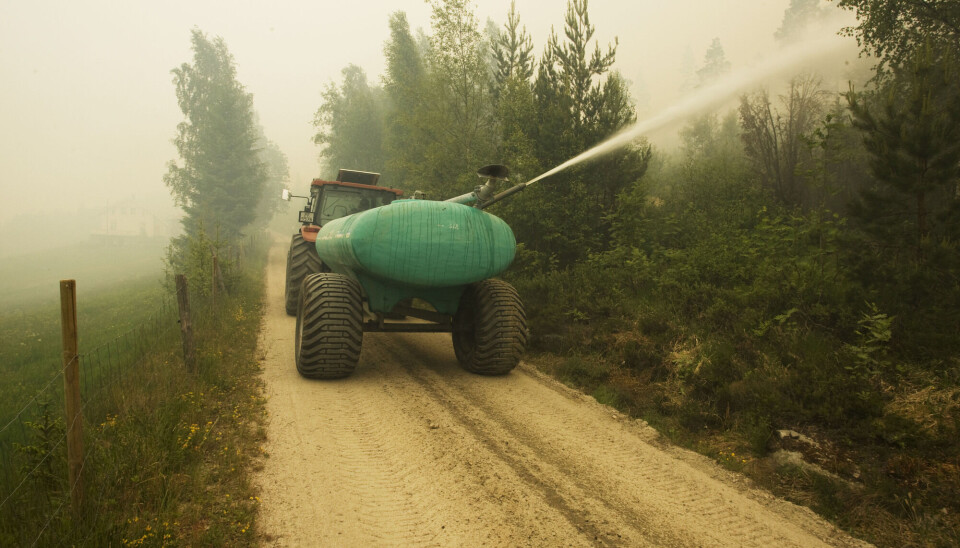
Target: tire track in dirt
489	483
597	453
413	451
377	484
581	509
356	462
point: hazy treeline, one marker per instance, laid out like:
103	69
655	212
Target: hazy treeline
230	175
463	97
794	264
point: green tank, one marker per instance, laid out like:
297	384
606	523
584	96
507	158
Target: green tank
379	265
417	248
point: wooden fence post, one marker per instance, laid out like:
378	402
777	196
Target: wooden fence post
213	282
186	328
219	287
71	391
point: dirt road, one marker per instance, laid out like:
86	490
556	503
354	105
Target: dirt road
411	450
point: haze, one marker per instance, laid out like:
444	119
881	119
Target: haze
88	109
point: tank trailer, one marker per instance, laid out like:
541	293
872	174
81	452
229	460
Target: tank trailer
374	256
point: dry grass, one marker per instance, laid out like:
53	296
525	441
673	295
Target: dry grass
887	496
936	411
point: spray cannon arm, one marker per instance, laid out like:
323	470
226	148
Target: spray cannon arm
479	196
483	195
468	198
506	193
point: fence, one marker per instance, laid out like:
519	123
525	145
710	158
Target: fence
41	482
33	443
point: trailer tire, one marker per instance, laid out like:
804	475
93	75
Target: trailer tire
329	326
302	259
490	328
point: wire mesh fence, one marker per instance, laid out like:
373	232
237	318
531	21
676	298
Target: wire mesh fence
112	363
33	482
35	492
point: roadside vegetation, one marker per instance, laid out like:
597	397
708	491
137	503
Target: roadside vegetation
168	453
113	299
780	293
169	450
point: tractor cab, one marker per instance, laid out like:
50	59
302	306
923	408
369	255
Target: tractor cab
352	192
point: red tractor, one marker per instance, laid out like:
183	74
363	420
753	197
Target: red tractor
353	191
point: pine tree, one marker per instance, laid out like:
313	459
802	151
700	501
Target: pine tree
579	103
553	132
912	132
715	63
578	71
512	51
799	16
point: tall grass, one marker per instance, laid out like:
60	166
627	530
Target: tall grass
31	346
167	452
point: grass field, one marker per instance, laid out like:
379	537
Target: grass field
167	452
32	279
117	288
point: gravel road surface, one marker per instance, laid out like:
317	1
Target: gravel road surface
413	451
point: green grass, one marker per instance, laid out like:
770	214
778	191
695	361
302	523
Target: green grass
31	410
168	452
30	354
27	281
117	288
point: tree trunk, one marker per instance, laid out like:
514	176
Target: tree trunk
921	223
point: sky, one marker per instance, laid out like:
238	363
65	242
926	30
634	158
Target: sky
87	103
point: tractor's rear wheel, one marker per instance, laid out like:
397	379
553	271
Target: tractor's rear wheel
302	259
490	328
329	326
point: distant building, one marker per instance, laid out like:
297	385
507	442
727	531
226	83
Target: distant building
131	220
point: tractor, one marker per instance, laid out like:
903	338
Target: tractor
351	192
430	263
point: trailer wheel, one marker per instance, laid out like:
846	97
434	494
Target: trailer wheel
329	326
302	259
490	328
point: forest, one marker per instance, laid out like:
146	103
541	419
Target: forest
792	265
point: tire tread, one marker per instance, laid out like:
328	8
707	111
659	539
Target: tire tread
329	326
302	259
490	331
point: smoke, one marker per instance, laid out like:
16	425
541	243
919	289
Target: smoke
710	96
